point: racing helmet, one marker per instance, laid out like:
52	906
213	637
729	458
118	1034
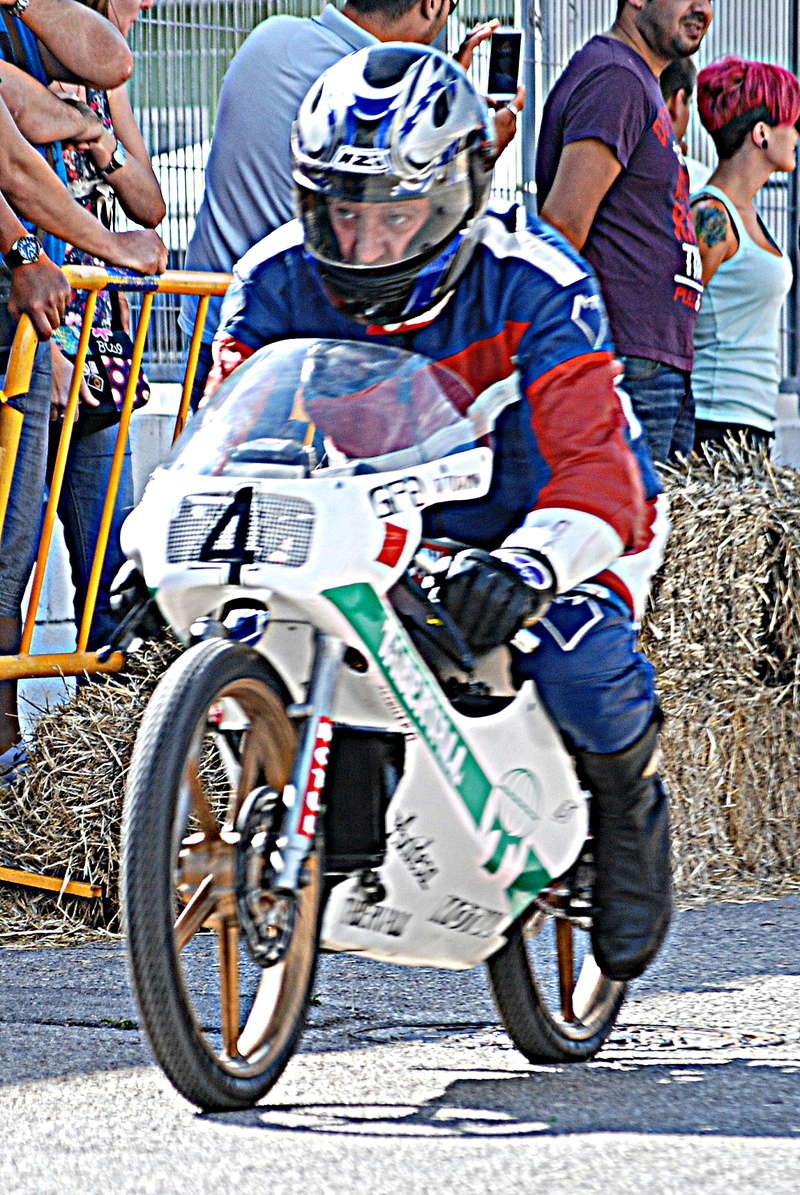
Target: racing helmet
392	162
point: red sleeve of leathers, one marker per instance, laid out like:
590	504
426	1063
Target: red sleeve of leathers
228	355
580	429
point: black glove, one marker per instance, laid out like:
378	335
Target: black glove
492	594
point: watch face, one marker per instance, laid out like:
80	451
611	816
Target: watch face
24	251
28	248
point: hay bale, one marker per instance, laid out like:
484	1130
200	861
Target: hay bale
724	634
64	818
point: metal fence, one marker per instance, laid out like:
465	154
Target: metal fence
182	49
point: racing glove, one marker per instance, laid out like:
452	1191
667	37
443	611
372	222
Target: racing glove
492	594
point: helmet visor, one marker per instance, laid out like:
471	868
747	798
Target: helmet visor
370	226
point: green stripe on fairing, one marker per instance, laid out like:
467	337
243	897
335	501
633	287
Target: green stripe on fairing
365	612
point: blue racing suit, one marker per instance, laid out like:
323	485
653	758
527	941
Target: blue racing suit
572	477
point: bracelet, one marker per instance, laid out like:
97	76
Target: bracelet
17	9
513	109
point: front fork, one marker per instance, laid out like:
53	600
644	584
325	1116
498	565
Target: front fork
303	794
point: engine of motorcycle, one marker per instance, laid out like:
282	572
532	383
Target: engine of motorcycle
266	918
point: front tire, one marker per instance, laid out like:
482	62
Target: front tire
554	1001
221	1028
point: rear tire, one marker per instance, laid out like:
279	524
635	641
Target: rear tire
221	1028
554	1001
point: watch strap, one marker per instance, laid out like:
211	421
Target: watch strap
118	159
24	251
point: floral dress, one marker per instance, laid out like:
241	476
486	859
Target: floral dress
91	190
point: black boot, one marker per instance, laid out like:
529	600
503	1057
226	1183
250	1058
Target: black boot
630	825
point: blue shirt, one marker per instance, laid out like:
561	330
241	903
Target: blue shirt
736	375
249	190
19	46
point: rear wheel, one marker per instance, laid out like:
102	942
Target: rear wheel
214	751
556	1004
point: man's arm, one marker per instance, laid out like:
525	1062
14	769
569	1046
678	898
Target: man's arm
40	115
39	195
78	42
38	288
586	171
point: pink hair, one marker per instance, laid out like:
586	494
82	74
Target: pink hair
732	87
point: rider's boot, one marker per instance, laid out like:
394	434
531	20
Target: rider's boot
630	826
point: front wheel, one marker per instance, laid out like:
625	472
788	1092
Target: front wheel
556	1004
215	742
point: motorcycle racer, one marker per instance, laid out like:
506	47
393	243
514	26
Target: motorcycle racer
393	152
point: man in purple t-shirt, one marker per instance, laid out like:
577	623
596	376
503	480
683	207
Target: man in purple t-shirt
610	175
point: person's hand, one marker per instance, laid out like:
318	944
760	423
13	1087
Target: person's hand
100	148
62	369
92	128
40	291
492	594
476	35
506	119
141	250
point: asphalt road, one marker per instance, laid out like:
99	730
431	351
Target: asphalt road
405	1083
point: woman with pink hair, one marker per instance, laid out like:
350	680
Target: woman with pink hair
752	111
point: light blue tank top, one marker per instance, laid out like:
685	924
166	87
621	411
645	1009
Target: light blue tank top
735	376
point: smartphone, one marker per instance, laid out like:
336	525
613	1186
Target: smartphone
505	54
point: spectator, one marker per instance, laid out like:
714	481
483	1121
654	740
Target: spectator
248	189
610	176
113	166
677	82
91	47
752	111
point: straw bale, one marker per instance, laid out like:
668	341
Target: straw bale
63	819
723	633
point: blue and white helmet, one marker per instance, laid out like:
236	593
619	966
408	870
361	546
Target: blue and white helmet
393	154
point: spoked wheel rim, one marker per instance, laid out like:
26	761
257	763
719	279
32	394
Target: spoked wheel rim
573	993
243	740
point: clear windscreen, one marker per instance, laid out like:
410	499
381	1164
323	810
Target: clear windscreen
300	407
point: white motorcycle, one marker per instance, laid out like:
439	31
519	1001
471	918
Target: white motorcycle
325	766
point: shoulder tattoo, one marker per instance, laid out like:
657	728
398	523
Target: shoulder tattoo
711	226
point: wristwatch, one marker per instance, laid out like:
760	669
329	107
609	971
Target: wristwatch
16	10
118	159
23	252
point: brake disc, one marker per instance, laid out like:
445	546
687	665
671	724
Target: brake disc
266	918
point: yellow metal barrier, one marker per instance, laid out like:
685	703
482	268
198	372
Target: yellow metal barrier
18	378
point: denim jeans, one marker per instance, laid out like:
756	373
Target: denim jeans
598	689
83	492
80	508
204	362
662	401
18	549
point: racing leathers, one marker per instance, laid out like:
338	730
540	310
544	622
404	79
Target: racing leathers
526	327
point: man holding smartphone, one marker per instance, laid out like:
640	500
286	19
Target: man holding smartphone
248	186
611	177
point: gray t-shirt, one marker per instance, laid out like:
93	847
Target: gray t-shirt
248	190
